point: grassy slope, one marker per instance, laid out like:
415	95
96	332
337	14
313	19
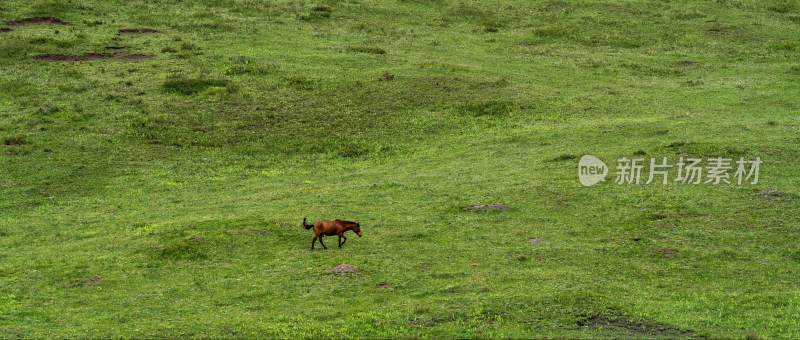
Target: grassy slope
179	182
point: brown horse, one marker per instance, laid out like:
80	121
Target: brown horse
330	228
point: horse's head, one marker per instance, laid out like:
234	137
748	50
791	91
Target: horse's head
357	229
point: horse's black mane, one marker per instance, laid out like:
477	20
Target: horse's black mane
347	221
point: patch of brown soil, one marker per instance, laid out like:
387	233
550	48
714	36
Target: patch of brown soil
771	194
686	63
387	76
136	56
51	58
89	281
666	251
638	328
62	57
116	48
137	30
259	232
536	240
720	30
4	29
342	269
487	207
37	20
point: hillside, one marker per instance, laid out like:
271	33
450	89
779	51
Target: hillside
158	157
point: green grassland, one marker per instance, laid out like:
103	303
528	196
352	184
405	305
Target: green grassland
163	197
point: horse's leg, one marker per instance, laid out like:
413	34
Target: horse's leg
320	242
340	241
345	239
314	241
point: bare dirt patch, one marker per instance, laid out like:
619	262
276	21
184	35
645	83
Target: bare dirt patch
37	20
342	269
771	194
536	240
116	48
719	30
487	207
4	29
17	333
383	285
259	232
386	76
88	281
686	63
137	31
625	325
136	56
668	252
50	58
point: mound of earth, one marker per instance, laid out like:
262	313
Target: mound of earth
137	30
37	20
487	207
342	269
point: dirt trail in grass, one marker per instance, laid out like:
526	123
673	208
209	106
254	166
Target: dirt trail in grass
37	20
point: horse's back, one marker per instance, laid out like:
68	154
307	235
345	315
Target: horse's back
328	227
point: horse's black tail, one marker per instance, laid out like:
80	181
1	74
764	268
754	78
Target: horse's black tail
307	226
